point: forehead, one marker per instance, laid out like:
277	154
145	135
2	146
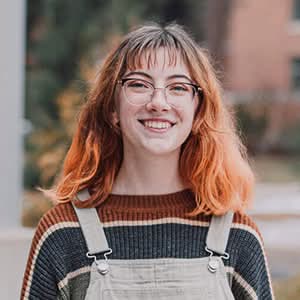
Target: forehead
159	60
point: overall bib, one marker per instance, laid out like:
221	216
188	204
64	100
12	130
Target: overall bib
160	278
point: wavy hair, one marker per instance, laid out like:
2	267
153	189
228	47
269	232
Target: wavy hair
213	160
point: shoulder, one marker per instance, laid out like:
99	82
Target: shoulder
246	226
245	223
245	237
58	219
56	237
56	231
250	270
62	213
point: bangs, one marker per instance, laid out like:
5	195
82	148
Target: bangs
143	52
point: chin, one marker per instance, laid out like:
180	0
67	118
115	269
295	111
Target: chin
161	149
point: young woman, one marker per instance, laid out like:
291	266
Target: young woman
154	187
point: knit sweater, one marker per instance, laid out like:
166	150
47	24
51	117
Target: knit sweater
139	227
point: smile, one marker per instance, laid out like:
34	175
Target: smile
155	124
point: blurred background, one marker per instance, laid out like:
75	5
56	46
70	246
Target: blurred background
53	49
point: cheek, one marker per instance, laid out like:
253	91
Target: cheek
189	121
127	116
123	110
190	115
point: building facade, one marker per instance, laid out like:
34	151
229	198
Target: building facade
262	51
262	66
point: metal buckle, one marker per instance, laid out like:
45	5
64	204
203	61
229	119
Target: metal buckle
213	263
102	266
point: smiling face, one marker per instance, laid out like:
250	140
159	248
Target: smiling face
158	126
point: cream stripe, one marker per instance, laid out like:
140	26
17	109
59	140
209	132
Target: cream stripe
242	282
155	222
46	234
73	274
229	269
255	233
249	229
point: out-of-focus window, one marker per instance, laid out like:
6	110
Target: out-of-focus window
296	74
296	10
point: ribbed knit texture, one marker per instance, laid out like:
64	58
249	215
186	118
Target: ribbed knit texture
139	227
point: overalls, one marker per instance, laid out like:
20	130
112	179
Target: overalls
160	278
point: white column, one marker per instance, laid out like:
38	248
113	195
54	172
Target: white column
14	240
12	45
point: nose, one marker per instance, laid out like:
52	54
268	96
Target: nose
158	101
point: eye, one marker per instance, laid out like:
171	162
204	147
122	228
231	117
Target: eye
137	84
179	88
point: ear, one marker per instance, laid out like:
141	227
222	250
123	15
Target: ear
115	118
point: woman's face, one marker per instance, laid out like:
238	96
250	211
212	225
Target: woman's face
156	127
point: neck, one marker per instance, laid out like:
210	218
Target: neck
142	174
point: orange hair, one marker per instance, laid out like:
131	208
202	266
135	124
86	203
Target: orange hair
213	161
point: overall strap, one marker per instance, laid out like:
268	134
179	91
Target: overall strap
91	226
218	232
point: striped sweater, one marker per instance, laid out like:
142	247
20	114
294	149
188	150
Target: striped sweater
139	227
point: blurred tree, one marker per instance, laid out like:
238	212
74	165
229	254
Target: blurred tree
65	41
252	122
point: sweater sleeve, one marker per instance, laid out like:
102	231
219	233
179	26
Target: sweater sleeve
57	251
39	281
251	277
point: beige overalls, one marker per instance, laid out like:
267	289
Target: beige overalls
161	278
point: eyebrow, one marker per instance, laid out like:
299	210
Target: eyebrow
174	76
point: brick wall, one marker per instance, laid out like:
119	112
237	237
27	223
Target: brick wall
262	39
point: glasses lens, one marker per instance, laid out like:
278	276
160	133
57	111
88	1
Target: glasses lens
179	93
138	91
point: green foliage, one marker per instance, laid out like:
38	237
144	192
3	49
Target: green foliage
31	175
290	140
42	87
62	34
249	124
252	126
262	125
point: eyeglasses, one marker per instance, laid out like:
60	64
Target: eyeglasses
140	92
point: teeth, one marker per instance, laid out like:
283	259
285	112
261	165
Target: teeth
156	124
